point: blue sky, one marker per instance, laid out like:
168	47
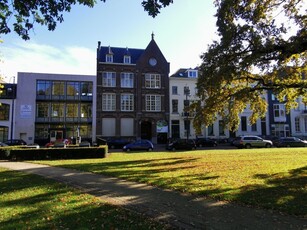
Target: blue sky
183	32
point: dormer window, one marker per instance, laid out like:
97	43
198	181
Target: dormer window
127	59
192	73
109	58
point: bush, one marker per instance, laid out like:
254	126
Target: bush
53	153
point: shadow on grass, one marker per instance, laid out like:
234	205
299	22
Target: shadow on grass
286	193
32	202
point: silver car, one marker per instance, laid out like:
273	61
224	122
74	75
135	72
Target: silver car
252	142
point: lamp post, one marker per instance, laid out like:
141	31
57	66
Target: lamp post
13	91
186	109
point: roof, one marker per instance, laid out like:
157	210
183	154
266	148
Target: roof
183	72
119	53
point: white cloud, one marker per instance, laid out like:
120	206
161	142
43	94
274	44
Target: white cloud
34	57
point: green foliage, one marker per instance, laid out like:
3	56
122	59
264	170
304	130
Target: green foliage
20	16
262	47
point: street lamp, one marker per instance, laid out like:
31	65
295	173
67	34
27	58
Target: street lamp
13	95
186	91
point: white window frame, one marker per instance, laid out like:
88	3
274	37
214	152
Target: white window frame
108	102
192	74
108	79
152	81
127	102
153	103
109	58
127	80
279	112
127	59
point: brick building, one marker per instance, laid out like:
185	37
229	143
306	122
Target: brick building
132	93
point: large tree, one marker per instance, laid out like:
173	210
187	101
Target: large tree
262	46
21	16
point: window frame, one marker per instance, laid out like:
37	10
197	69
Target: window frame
109	79
126	80
153	103
152	81
127	102
108	102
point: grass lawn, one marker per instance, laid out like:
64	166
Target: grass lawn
270	178
33	202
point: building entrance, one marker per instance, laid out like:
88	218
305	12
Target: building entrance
146	130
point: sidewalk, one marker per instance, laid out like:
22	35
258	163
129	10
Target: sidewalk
180	210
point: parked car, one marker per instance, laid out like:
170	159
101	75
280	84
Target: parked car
202	142
117	143
139	145
15	142
3	144
252	142
181	144
291	142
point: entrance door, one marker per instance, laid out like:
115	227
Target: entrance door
56	135
146	130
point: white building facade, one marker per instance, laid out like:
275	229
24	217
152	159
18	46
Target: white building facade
54	106
181	123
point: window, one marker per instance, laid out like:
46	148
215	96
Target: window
186	103
43	87
297	124
41	131
86	88
254	127
174	90
126	102
211	130
153	81
153	103
187	127
126	80
109	79
175	129
58	88
42	110
108	127
192	73
86	110
279	112
73	88
4	112
127	59
57	110
127	127
4	133
71	110
108	102
243	123
221	128
109	58
175	106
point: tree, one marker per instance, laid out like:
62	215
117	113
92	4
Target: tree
262	46
20	15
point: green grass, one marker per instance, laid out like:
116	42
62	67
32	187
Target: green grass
269	178
33	202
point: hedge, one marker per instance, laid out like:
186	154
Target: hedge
18	153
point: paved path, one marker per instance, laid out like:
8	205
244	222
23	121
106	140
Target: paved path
180	210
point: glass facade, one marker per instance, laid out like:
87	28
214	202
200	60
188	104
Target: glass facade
4	112
65	106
